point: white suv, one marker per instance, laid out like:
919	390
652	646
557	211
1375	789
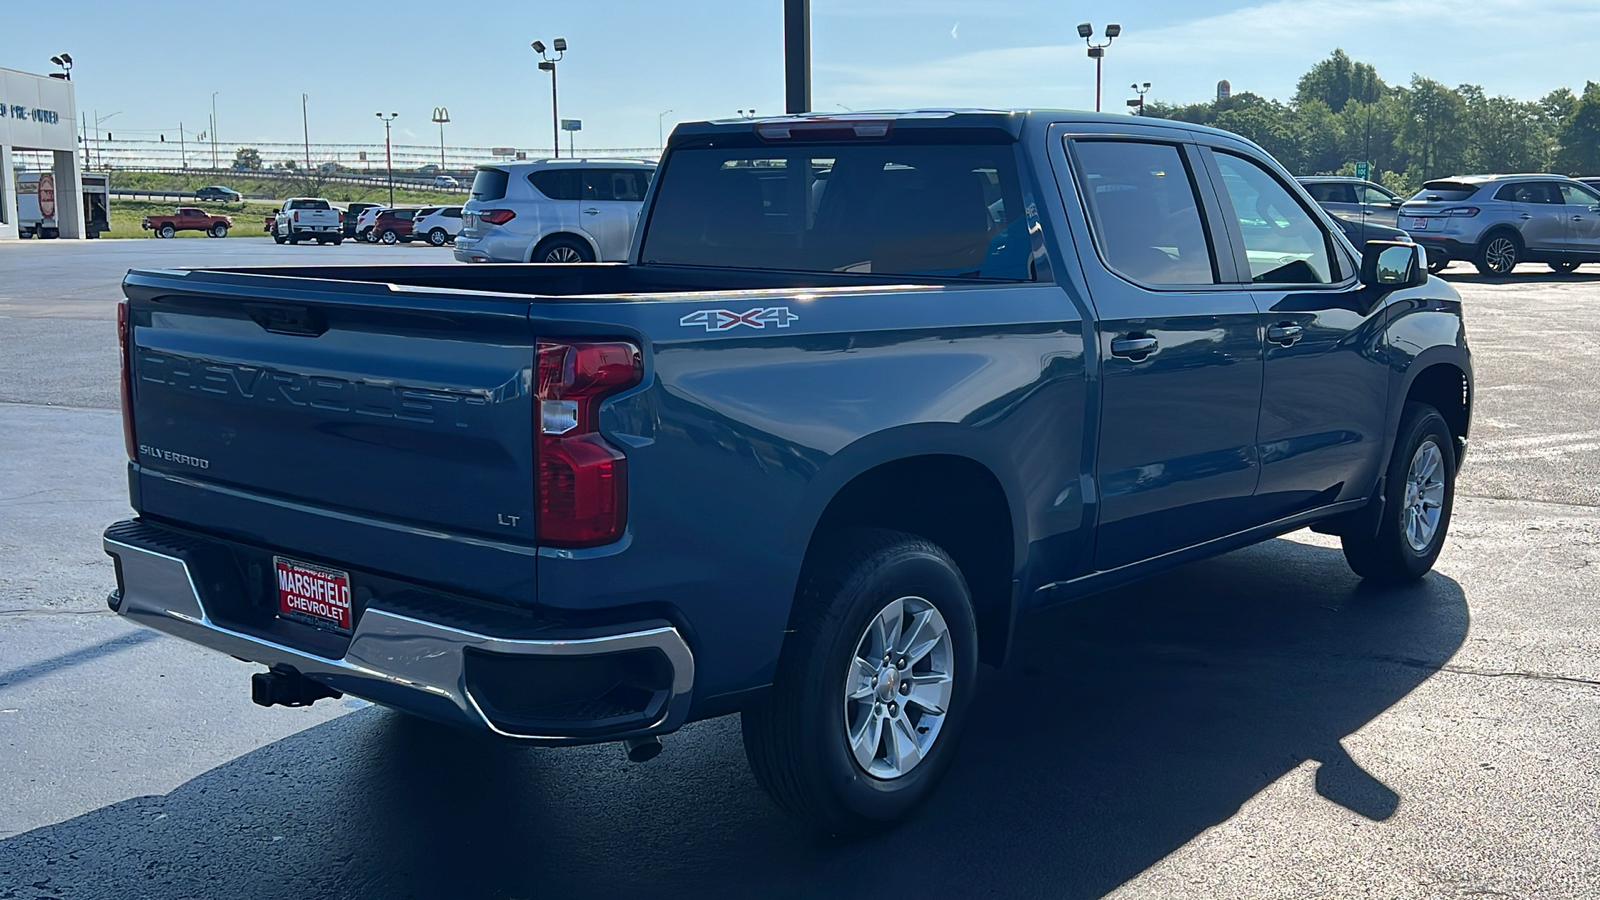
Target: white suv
556	210
439	227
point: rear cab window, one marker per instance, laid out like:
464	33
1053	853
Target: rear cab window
946	210
309	204
490	184
1144	211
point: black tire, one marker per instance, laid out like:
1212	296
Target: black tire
1565	267
219	230
1437	264
294	241
365	236
389	236
1498	254
796	737
438	237
562	250
1389	557
337	241
166	231
277	238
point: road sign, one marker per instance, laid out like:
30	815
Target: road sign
363	156
502	151
571	124
47	195
1363	169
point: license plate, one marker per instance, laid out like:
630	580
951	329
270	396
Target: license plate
1418	224
313	594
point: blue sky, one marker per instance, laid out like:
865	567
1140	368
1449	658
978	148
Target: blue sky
157	62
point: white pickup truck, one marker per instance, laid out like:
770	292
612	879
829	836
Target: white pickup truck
308	218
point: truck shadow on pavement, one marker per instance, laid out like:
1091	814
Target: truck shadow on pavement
1126	725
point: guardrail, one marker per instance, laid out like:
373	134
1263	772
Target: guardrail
124	194
406	181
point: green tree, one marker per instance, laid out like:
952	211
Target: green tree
1337	81
1435	135
247	158
1558	106
1507	136
1269	125
1579	137
1322	139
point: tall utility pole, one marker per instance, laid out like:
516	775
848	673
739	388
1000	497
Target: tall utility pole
214	128
183	154
388	153
796	56
661	139
1097	52
547	63
441	115
306	125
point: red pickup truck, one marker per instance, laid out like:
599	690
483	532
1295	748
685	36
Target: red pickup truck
188	218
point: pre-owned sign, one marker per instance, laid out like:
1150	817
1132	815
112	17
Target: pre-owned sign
18	111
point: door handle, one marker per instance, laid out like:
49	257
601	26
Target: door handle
1525	216
1285	334
1131	346
591	211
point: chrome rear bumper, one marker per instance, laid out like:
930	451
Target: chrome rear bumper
392	658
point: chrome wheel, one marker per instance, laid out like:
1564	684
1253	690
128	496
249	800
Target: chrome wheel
1424	500
898	688
563	254
1501	255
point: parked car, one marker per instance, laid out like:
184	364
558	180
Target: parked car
364	222
220	193
1358	201
187	218
438	227
566	210
1360	234
308	219
445	181
1498	221
1593	182
809	456
394	226
352	215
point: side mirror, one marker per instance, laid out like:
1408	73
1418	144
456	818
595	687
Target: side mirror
1392	265
1396	202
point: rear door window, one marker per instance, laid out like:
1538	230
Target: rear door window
1331	192
1529	192
615	184
1374	197
558	184
1145	212
490	184
1283	241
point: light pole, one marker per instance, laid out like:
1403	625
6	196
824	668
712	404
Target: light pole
214	128
748	113
1097	52
98	121
548	64
1138	103
306	125
441	116
661	139
388	154
65	62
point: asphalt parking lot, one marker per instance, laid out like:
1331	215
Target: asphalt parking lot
1257	725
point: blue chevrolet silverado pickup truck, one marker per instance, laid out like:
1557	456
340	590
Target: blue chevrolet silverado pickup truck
870	390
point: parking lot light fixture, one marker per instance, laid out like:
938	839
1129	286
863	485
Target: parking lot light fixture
65	62
661	139
548	64
388	151
1097	52
1138	102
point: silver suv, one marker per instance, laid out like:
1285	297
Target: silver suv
1497	221
554	210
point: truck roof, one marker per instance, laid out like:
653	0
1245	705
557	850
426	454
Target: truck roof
1011	121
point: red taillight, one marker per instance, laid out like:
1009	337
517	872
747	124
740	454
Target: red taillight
496	216
125	344
583	480
1462	211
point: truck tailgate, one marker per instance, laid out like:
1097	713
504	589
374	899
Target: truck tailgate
365	401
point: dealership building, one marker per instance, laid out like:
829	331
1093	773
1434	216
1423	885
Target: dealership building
39	113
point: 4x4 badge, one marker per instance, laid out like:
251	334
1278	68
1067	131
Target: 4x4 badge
722	319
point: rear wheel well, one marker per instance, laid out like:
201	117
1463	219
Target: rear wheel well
956	503
1445	388
547	240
